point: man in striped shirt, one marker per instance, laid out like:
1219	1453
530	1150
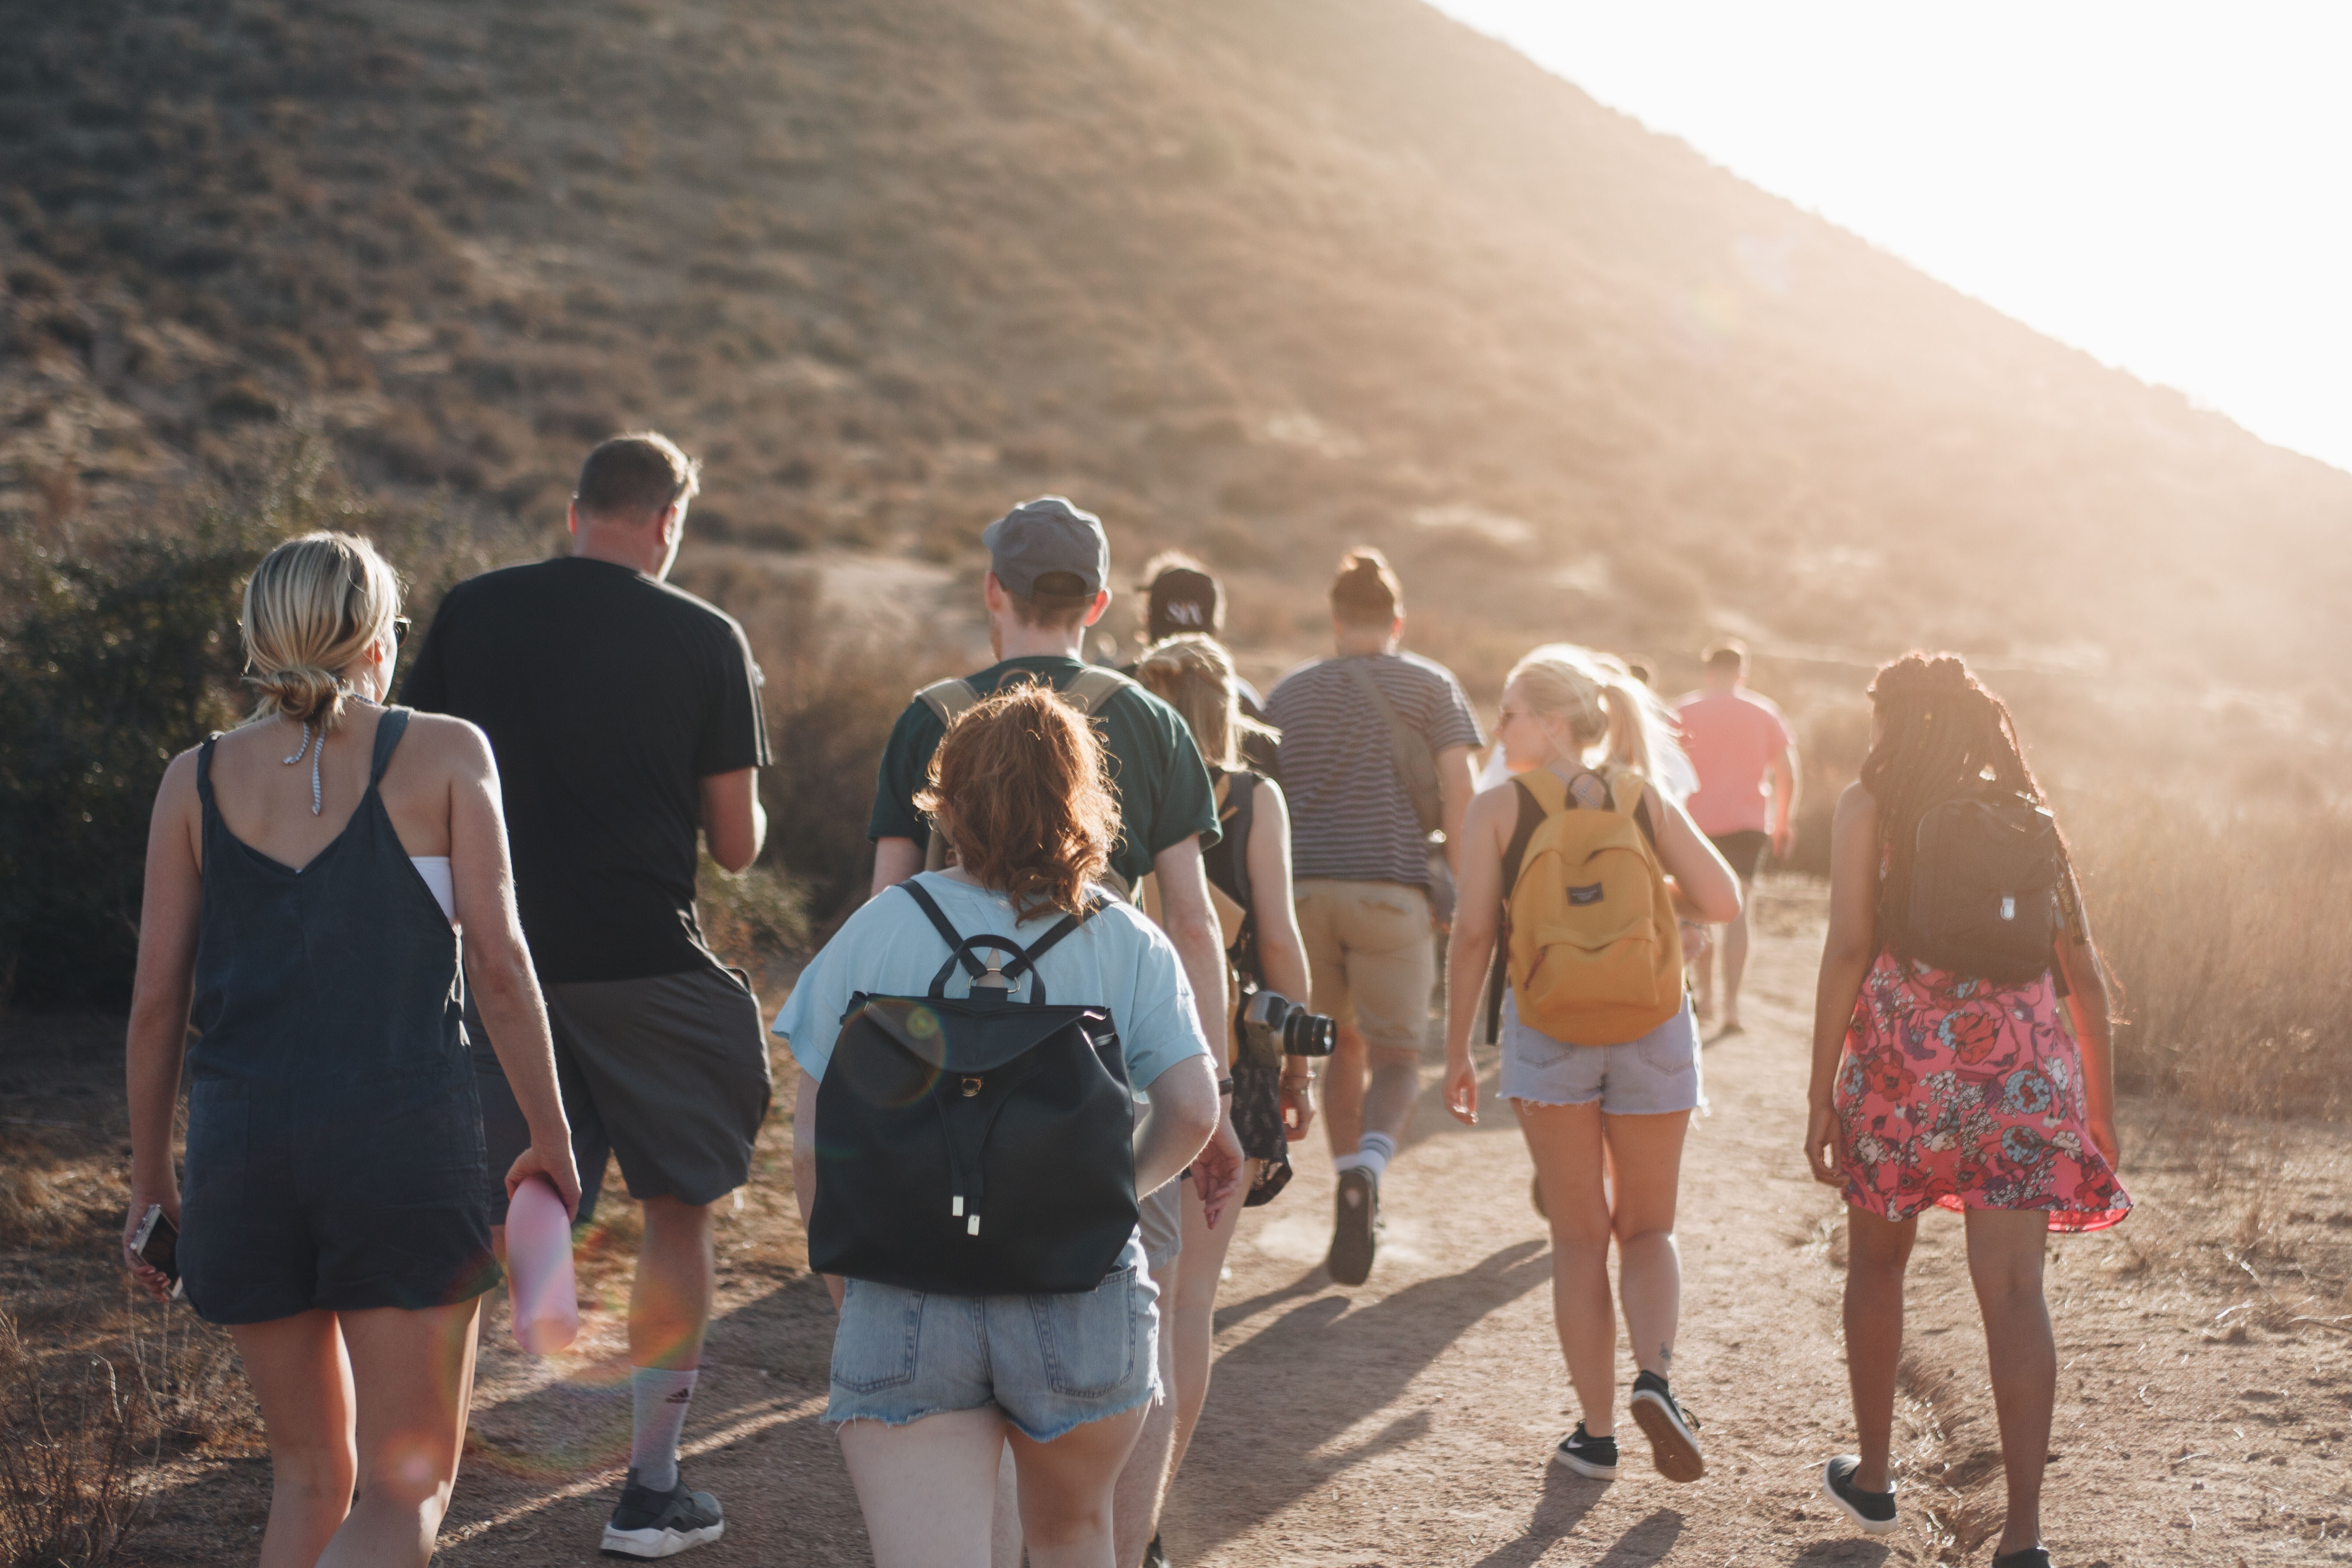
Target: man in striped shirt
1361	853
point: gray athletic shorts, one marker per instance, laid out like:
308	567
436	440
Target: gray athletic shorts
668	1072
1160	1217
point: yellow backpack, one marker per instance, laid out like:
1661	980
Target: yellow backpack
1596	952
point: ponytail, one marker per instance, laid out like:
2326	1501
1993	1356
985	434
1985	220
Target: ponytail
1599	699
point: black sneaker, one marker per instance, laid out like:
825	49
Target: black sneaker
2025	1557
1586	1455
1671	1430
648	1523
1155	1555
1872	1512
1356	1236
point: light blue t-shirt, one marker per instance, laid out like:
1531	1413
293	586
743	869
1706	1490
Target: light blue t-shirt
1116	959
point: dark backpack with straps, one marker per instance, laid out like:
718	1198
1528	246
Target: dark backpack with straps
1226	863
975	1145
1985	878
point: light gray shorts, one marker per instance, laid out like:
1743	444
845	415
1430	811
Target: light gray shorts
1161	1217
1654	1076
1049	1362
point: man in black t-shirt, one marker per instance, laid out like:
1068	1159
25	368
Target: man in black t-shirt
625	717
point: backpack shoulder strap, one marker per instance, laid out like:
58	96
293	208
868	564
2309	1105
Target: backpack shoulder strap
1094	685
948	699
1625	795
940	923
1515	854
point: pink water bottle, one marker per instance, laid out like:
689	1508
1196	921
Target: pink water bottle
539	1268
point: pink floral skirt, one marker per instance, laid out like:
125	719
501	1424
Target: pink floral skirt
1967	1094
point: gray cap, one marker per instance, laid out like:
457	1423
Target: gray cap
1047	534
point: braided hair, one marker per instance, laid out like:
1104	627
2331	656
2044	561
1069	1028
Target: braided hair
1940	735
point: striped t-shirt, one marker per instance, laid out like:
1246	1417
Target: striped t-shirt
1350	818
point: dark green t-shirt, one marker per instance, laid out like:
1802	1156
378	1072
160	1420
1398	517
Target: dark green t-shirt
1164	795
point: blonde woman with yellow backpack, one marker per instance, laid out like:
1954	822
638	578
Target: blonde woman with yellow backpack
1582	869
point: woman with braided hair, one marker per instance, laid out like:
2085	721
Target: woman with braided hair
1935	1086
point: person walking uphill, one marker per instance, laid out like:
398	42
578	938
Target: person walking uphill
1943	1074
1581	867
1027	1317
303	874
1737	740
1375	754
1049	567
626	716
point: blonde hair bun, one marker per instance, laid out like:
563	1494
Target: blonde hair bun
311	608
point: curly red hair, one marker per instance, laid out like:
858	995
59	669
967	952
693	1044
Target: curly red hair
1020	786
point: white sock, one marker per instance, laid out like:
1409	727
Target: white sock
658	1401
1375	1153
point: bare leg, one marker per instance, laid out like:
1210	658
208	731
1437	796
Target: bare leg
412	1375
1388	1102
1878	1252
1647	1154
2005	1254
1065	1492
303	1384
1143	1476
1735	958
1191	1320
927	1488
1004	1541
1343	1092
1566	1144
670	1305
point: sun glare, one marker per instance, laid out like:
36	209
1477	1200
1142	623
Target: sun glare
2161	185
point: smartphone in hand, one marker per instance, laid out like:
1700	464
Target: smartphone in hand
157	1245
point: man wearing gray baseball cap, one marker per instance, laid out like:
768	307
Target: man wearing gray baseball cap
1048	581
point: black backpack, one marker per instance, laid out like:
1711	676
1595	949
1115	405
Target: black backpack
1985	875
974	1145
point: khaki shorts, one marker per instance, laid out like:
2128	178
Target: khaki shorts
1373	957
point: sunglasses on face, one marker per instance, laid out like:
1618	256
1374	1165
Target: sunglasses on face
399	630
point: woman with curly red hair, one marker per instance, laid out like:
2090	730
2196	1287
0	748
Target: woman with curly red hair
929	1387
1945	1072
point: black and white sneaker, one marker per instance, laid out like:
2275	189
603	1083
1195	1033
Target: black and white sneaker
1356	1235
648	1523
1872	1512
1594	1457
1671	1430
1154	1555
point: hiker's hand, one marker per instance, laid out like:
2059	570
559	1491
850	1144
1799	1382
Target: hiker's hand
151	1279
1822	1146
554	1162
1462	1088
1298	1107
2103	1138
1217	1169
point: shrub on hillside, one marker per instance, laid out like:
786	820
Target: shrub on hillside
110	662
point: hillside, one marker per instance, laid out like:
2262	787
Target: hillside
1258	279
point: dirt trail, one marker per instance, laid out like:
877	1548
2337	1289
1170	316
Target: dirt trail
1409	1421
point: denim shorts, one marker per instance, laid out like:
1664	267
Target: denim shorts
1653	1076
1049	1362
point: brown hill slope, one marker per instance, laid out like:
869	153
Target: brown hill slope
1261	279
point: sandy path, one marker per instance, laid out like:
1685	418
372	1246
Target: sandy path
1409	1421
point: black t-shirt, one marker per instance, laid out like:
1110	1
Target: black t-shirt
608	698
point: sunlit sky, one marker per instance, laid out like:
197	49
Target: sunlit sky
2167	186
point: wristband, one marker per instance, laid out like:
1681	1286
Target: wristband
1224	1085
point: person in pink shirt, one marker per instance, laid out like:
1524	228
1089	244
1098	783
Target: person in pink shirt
1737	741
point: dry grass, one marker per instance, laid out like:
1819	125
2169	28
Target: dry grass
2227	934
70	1446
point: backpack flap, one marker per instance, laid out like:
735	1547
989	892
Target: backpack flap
974	1034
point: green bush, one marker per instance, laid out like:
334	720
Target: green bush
112	660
